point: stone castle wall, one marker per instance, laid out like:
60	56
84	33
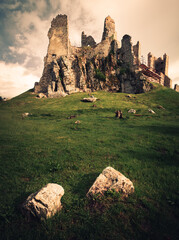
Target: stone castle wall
126	52
87	41
151	61
92	66
160	66
137	53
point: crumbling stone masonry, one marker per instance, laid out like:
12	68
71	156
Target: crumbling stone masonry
102	66
109	29
160	66
87	41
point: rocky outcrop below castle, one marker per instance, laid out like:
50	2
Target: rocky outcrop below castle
176	87
103	66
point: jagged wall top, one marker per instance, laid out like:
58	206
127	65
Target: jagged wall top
87	40
109	29
70	69
58	37
158	64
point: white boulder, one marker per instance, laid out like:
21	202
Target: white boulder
44	203
111	179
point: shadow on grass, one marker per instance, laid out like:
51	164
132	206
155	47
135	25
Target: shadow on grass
157	156
84	184
162	129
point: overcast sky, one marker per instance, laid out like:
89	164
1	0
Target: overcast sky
24	25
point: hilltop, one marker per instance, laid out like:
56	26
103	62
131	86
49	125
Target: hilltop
47	146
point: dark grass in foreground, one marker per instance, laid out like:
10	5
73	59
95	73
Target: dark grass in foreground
49	148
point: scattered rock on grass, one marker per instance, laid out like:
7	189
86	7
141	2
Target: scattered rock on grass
129	96
44	203
72	116
111	179
151	111
25	115
118	114
132	111
77	122
160	107
90	99
41	95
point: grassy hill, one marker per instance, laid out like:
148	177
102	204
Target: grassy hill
47	147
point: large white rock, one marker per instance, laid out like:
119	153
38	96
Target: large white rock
44	203
111	179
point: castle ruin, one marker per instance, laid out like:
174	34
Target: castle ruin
103	66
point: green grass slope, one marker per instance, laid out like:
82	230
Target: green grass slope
46	147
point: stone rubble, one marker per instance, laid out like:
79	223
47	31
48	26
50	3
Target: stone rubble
77	122
25	115
90	99
111	179
72	116
132	111
160	107
45	203
41	95
151	111
118	114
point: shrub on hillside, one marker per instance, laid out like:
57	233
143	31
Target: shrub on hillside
99	75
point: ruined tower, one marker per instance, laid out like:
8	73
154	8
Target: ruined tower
137	53
151	61
160	66
109	29
58	37
58	46
126	51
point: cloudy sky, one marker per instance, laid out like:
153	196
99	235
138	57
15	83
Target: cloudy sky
24	25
